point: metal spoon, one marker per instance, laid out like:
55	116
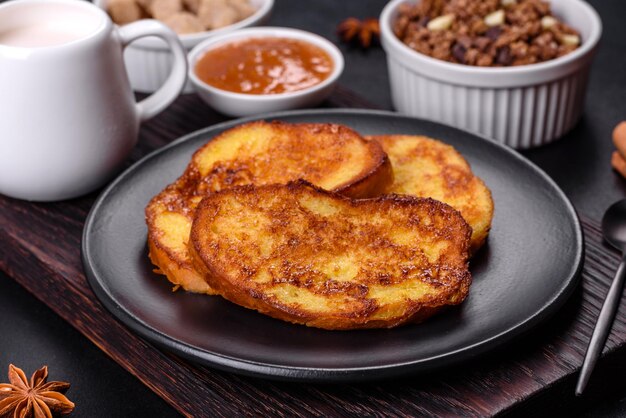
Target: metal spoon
614	231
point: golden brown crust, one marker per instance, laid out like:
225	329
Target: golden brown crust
304	255
332	156
373	180
183	275
425	167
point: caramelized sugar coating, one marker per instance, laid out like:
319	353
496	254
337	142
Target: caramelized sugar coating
330	156
304	255
425	167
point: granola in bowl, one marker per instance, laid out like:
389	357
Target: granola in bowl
485	33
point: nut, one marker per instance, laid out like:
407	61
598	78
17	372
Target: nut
507	3
441	22
547	22
495	19
573	40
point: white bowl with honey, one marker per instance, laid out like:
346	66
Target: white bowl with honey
259	70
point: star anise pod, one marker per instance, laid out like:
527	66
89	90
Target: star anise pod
34	399
355	30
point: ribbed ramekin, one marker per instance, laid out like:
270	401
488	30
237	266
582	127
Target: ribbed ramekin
148	61
523	106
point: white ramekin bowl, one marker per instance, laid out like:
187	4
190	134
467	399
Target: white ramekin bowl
238	104
148	61
523	107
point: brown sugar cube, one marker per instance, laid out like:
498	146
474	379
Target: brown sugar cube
162	9
243	7
124	11
192	6
215	14
184	22
145	5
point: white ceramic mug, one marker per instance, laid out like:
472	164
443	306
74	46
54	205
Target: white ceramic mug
68	118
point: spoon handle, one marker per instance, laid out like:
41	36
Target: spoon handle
603	326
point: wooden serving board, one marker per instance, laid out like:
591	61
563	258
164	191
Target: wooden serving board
40	249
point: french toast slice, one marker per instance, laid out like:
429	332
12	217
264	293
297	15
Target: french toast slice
331	156
426	167
304	255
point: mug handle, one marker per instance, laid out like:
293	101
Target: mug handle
172	87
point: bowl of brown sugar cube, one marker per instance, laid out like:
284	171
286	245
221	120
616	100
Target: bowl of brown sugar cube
148	60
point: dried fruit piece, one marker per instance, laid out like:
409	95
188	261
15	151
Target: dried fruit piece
493	33
441	22
503	56
458	52
482	43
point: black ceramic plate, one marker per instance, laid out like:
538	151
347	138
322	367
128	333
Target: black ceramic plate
527	270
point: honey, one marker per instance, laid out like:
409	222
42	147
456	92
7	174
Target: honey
269	65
